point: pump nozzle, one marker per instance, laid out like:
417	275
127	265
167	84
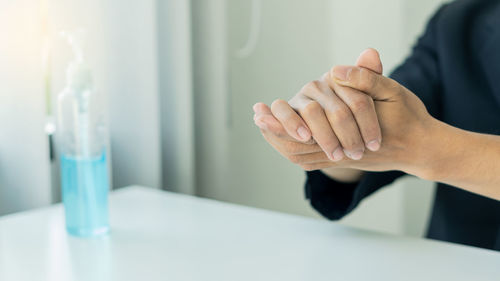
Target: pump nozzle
77	73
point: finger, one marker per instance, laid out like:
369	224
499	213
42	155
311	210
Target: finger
290	147
363	110
291	121
265	120
270	124
340	118
260	108
309	158
291	150
370	59
367	81
360	104
275	142
317	166
314	116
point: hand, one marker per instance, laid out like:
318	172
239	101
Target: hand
289	140
414	142
404	120
307	154
299	150
340	124
418	144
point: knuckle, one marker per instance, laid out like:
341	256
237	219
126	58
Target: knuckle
294	102
341	114
312	86
360	104
367	80
311	108
277	103
393	85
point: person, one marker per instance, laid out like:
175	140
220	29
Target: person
437	117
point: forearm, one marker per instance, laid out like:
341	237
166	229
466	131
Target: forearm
464	159
343	174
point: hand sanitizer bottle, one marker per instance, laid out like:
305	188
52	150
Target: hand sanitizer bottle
82	146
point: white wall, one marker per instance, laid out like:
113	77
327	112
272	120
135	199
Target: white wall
210	88
132	83
299	40
24	169
176	95
233	161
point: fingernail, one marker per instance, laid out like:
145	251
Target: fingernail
354	155
373	145
303	133
338	154
341	72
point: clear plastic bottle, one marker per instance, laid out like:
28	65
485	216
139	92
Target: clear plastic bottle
82	141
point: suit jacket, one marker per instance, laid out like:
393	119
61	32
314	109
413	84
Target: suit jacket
455	70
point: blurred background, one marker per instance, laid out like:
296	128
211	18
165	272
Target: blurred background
180	78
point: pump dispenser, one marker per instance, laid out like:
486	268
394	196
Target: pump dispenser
83	140
78	73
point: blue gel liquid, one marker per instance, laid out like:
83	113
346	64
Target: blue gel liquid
85	195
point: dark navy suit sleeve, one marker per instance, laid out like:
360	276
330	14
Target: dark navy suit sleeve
420	74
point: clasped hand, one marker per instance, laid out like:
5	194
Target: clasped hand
352	117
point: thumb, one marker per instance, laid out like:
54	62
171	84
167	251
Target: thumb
370	59
377	86
366	76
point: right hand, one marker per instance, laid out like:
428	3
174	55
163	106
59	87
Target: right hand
329	126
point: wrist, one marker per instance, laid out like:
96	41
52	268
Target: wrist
438	147
343	174
420	148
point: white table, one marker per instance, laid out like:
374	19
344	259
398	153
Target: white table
159	235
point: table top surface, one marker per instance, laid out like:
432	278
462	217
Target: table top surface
158	235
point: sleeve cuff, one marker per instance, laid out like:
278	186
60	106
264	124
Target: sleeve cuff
330	198
334	199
